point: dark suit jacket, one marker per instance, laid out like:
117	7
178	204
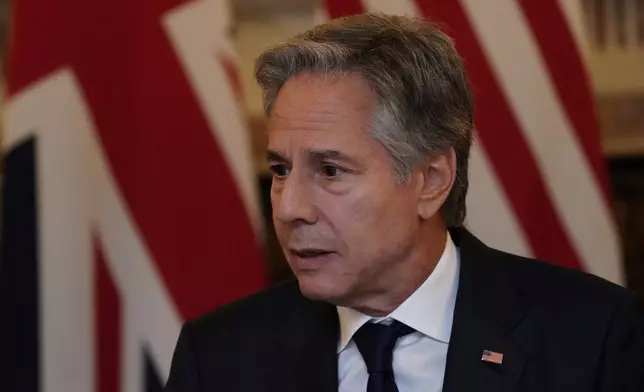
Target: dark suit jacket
559	330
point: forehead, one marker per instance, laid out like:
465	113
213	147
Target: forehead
322	111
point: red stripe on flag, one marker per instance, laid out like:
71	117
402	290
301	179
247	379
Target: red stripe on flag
505	144
170	171
340	8
108	326
565	67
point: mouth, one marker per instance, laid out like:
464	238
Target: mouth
309	253
309	259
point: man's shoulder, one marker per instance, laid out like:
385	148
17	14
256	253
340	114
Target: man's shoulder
545	284
266	307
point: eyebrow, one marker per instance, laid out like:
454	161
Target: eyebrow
322	155
275	157
315	155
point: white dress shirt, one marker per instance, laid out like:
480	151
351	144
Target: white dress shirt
419	358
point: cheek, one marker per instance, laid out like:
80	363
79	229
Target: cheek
274	202
370	221
277	225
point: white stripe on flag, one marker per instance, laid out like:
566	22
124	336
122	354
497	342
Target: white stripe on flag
489	214
320	15
394	7
131	362
523	76
574	16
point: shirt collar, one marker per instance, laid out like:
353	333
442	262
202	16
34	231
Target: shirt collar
429	309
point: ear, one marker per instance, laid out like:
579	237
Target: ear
437	176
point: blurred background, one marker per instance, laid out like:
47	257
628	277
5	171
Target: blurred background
136	191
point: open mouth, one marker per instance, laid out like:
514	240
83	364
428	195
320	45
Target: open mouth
310	253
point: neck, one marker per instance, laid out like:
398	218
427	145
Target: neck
406	275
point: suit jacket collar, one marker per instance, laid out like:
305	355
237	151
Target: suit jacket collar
488	316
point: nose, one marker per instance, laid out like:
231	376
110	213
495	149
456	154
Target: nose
292	202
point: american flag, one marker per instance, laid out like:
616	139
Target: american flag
538	185
128	195
492	357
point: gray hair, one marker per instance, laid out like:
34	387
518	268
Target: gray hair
424	100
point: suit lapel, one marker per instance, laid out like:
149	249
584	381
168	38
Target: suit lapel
488	316
308	340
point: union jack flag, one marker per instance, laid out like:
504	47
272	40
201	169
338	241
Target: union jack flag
128	192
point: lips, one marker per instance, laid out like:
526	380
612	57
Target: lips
310	259
308	253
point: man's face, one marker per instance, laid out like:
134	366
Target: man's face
342	219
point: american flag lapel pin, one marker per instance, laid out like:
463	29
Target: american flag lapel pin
492	357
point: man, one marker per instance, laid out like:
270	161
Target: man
370	124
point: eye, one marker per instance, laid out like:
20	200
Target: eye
331	172
279	171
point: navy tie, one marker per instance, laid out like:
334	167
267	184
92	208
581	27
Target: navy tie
376	343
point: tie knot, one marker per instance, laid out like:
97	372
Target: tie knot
376	344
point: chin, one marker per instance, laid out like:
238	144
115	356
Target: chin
320	289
